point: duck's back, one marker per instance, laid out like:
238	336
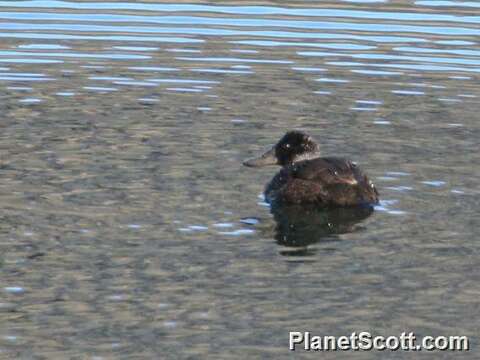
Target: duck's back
325	181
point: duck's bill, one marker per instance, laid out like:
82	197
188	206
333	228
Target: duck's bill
268	158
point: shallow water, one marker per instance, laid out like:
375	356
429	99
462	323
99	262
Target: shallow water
129	227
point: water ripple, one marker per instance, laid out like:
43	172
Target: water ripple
248	10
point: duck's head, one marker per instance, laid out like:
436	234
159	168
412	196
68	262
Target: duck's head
293	146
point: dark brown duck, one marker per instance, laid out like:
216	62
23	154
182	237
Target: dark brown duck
307	178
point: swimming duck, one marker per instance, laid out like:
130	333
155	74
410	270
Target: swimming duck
307	178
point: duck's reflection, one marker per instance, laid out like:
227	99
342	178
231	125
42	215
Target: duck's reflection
299	226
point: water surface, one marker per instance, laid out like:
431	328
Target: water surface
130	228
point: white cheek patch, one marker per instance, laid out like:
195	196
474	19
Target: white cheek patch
350	181
306	156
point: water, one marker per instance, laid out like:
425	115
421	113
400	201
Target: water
129	227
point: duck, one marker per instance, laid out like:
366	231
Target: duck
307	178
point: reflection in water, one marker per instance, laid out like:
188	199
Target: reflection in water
300	226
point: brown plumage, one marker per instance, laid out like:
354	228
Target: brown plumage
306	178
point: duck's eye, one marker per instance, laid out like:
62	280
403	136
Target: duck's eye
286	146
